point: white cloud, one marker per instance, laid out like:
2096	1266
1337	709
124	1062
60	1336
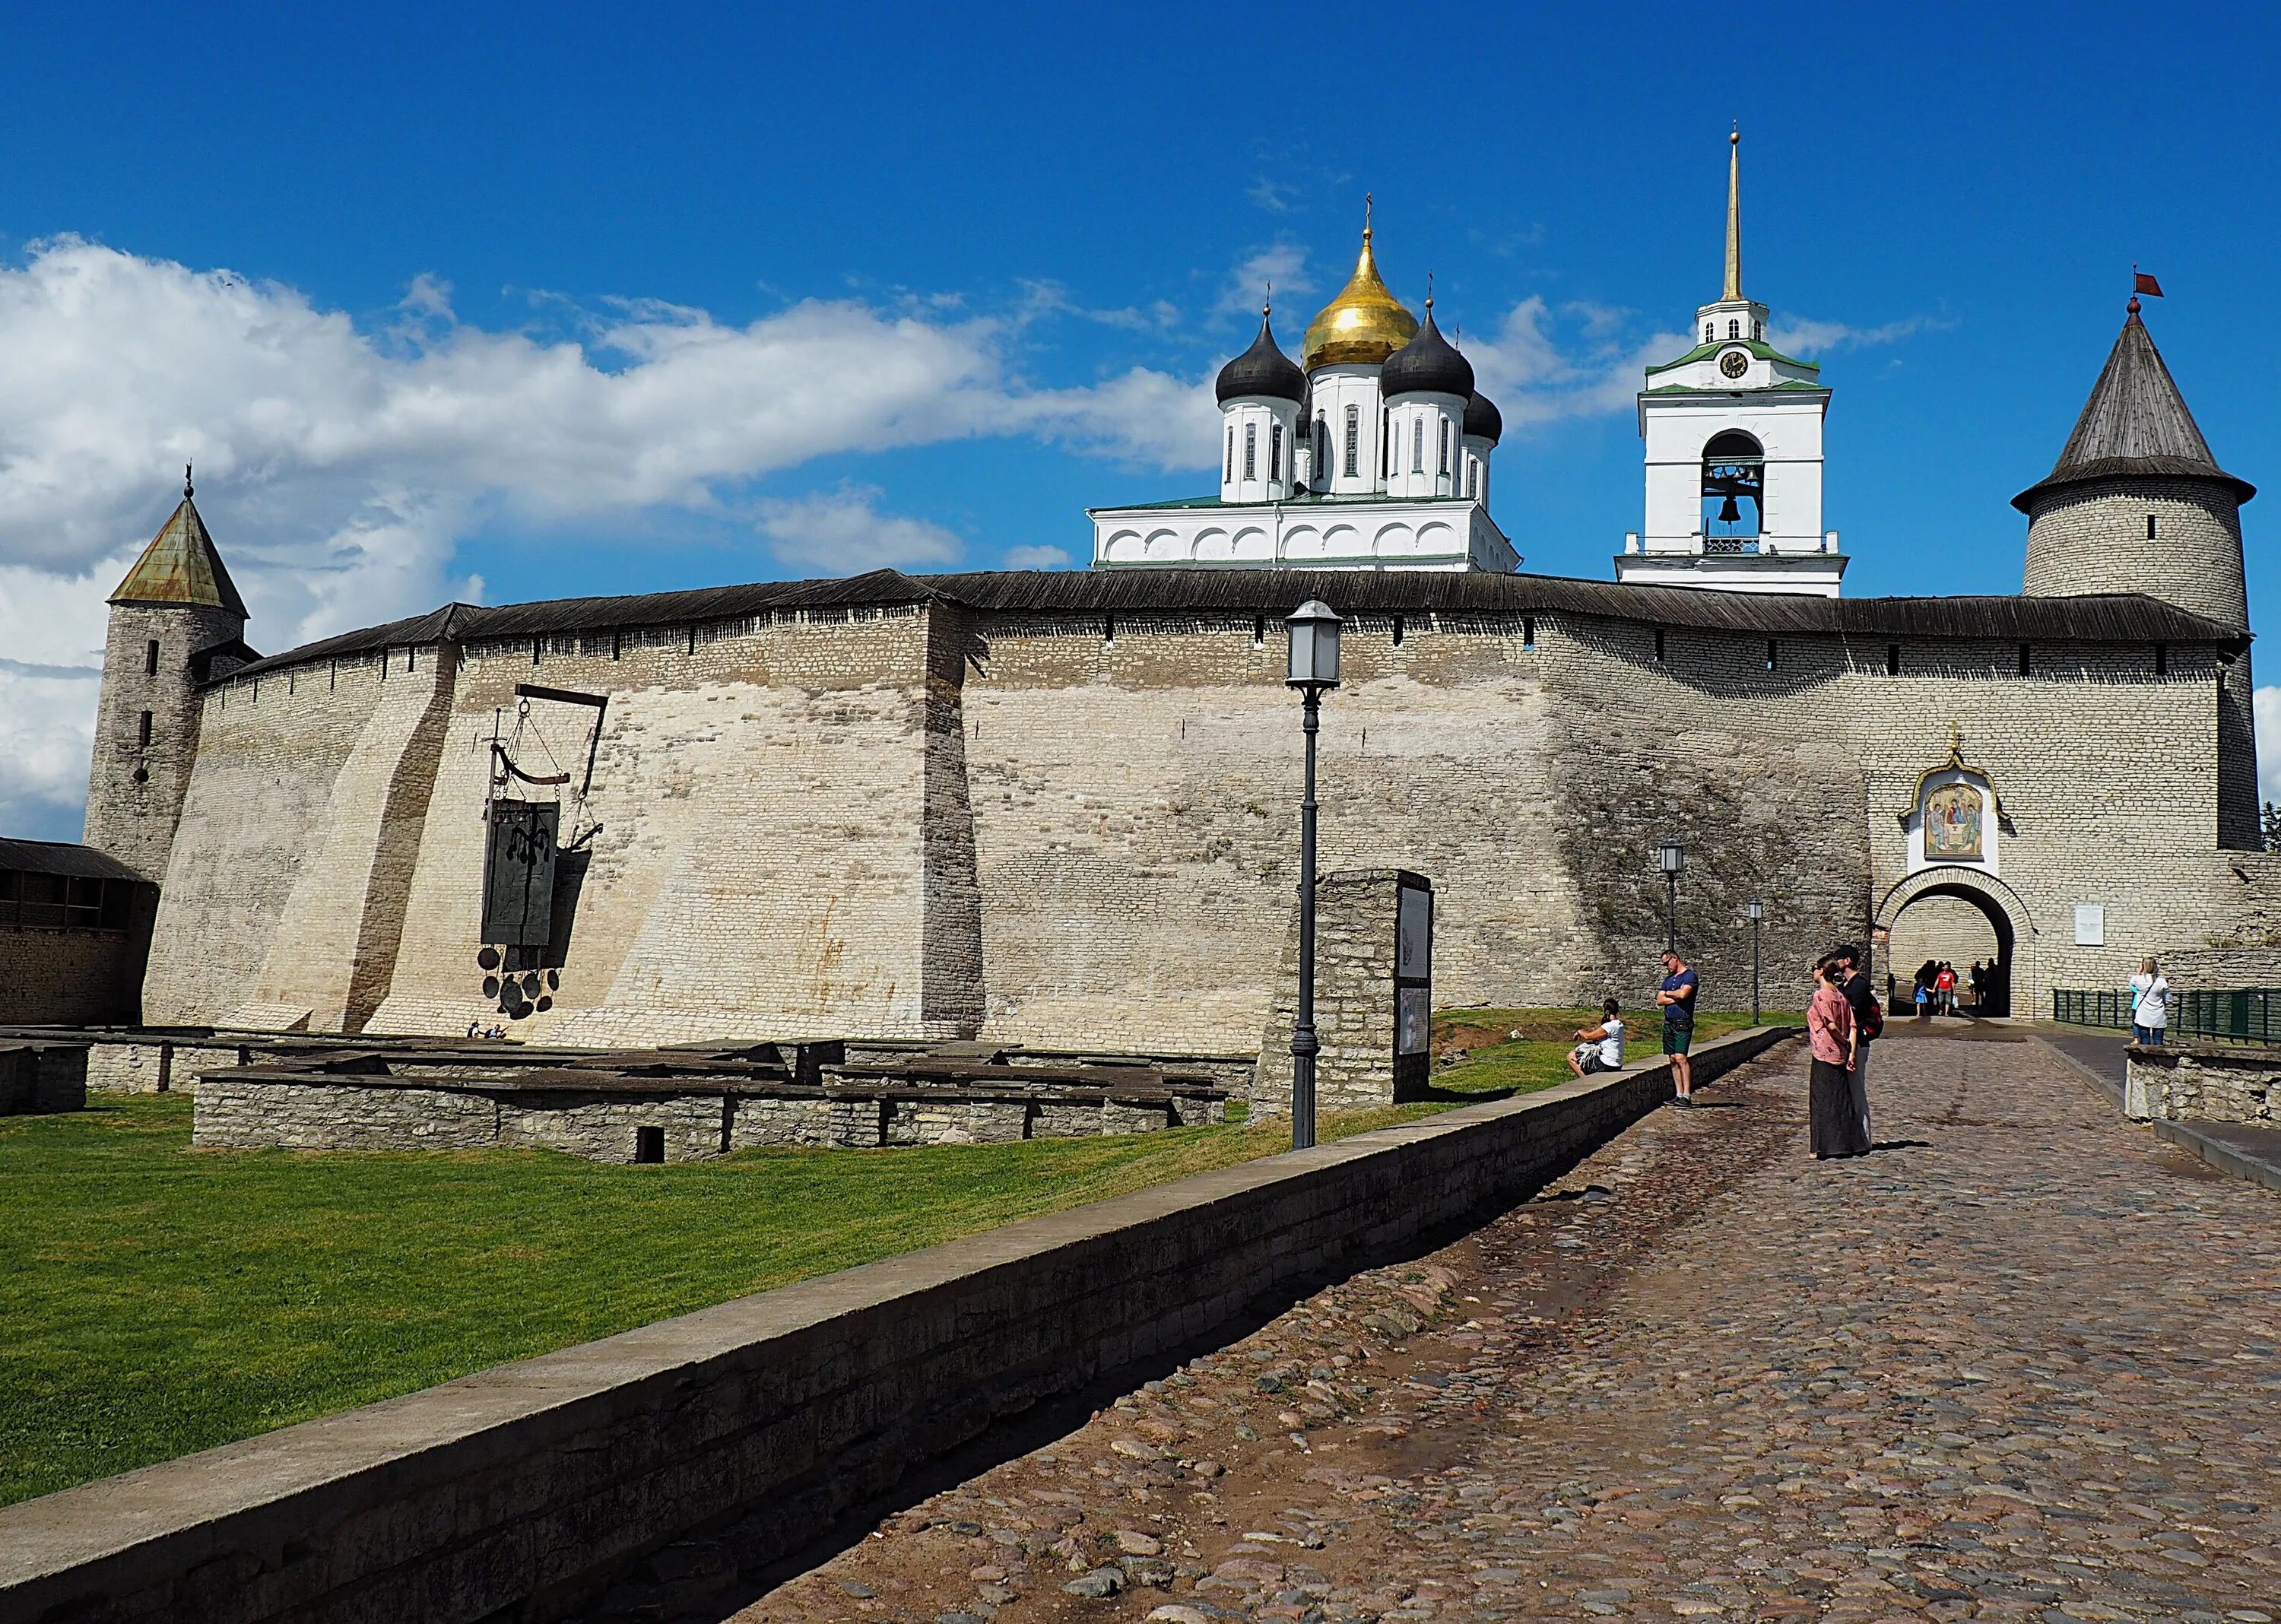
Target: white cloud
2265	706
1282	265
1805	336
1539	365
843	532
46	730
1037	557
341	464
1143	416
1270	194
1051	298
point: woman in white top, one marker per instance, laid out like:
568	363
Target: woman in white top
2150	1004
1602	1046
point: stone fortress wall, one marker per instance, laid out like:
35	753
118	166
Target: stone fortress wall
927	817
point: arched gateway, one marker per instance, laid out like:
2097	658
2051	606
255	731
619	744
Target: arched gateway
2005	914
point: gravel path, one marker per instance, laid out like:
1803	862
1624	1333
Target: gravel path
2020	1364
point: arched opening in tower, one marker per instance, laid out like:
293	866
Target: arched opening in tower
1961	926
1734	488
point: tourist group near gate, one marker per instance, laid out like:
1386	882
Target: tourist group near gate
1130	1090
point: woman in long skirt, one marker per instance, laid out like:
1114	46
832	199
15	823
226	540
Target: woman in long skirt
1831	1034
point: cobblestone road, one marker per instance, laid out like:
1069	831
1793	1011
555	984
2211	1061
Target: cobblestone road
2020	1364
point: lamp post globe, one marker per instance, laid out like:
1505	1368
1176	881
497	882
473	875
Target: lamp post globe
1313	670
1314	647
1671	859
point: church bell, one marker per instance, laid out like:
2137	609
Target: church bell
1728	514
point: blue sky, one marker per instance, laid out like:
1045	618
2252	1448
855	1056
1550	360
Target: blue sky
560	300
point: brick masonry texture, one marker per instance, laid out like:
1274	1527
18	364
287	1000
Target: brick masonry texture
1356	932
2091	538
135	820
1945	928
2017	1366
531	1486
39	1077
138	1067
236	1111
2205	1083
69	978
929	821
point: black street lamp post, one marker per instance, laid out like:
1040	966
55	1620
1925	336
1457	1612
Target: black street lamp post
1756	912
1672	859
1314	669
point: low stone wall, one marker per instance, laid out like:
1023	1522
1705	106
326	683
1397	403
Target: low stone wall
534	1486
39	1077
2205	1082
253	1109
142	1066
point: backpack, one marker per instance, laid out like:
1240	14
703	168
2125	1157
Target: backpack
1868	1013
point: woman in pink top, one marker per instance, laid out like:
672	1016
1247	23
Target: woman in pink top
1835	1126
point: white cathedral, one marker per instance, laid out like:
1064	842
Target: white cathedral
1373	452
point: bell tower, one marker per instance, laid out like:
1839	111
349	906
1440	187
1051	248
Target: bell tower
176	621
1733	430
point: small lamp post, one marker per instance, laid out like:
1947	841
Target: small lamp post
1756	911
1672	859
1314	670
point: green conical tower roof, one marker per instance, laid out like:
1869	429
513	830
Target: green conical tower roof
181	565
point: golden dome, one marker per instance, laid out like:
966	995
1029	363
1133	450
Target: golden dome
1364	323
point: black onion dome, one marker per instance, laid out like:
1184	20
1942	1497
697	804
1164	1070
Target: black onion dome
1428	364
1263	370
1483	421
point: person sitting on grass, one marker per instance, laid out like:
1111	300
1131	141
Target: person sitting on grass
1602	1046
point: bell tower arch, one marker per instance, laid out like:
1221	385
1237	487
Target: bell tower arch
1733	431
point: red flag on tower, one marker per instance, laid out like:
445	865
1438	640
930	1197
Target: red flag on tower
2144	283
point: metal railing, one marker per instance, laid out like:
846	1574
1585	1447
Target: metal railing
2235	1014
2077	1009
2217	1015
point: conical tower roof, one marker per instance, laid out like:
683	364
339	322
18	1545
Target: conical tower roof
2135	424
181	565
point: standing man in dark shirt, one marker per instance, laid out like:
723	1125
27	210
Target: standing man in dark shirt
1868	1021
1677	997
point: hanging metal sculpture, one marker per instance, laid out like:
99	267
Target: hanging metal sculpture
523	932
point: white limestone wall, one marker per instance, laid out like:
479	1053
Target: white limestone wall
1434	534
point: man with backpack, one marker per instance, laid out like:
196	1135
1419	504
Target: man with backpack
1868	1022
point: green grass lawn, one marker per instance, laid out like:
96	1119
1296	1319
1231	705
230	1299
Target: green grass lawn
159	1300
1494	1058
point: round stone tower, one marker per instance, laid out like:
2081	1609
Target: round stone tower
2138	504
176	621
